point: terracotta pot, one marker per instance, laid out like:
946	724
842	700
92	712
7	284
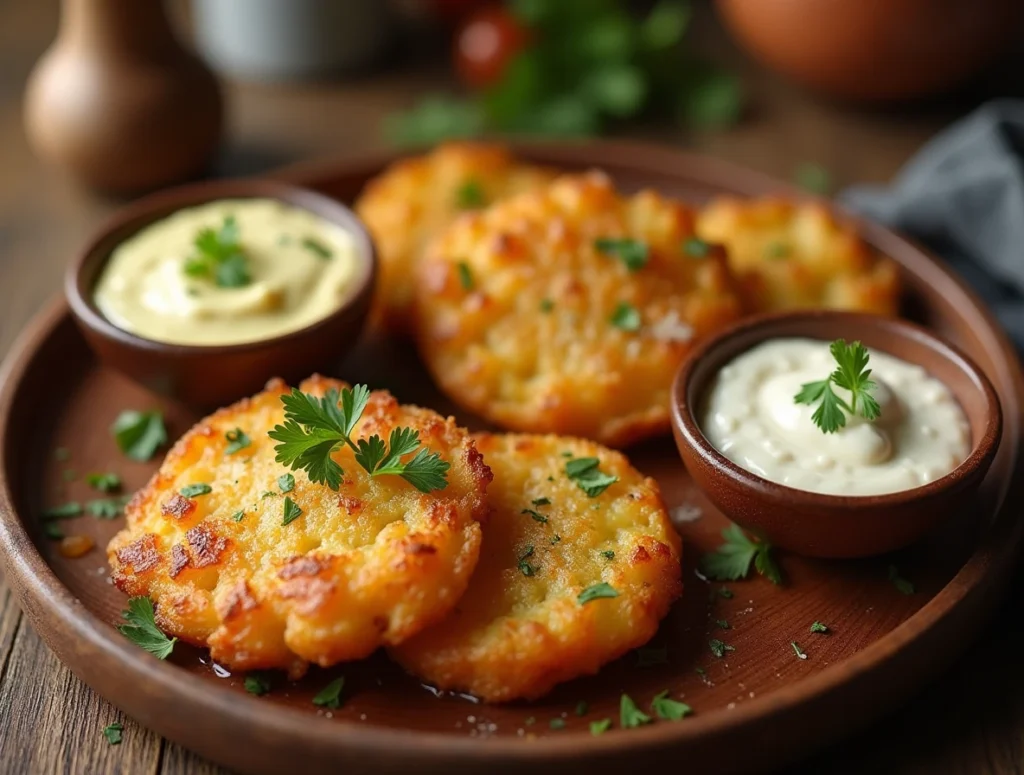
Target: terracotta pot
874	50
118	102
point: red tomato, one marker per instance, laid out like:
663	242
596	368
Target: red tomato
484	45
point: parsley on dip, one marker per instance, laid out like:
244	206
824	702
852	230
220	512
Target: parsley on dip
228	272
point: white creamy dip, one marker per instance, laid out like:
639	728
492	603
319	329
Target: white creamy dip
749	415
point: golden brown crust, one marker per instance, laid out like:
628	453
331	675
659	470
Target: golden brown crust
365	566
414	199
530	344
794	256
516	636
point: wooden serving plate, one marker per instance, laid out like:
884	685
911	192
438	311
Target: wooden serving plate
759	706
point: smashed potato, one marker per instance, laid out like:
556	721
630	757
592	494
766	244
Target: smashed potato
568	310
416	198
794	256
368	565
521	627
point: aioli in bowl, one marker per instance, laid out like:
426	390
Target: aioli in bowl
229	271
750	414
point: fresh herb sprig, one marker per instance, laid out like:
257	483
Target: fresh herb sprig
731	560
314	427
851	374
140	628
219	256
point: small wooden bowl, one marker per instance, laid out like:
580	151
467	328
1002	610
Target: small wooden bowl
815	524
206	376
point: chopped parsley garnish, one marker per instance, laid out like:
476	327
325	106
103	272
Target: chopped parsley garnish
588	477
776	250
104	482
107	508
630	716
722	624
140	628
546	305
470	195
670	710
238	516
524	565
218	256
330	695
113	733
633	253
291	511
600	727
649	656
718	648
316	247
541	501
557	723
68	510
268	494
555	539
819	627
725	593
465	276
608	554
797	650
626	317
237	440
139	434
597	591
314	427
851	374
257	684
537	517
582	707
695	247
192	490
905	587
286	482
731	560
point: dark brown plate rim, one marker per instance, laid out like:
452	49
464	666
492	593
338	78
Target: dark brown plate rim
46	600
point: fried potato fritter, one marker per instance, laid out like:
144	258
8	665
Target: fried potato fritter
370	564
793	256
416	198
524	318
521	629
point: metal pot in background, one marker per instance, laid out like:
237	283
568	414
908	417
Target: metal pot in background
291	39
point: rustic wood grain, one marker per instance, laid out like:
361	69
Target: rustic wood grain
969	723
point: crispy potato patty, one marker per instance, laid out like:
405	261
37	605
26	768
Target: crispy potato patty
416	198
568	310
521	628
793	256
370	564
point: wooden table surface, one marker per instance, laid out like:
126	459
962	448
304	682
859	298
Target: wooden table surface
970	721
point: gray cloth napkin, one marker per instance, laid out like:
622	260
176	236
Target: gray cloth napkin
962	195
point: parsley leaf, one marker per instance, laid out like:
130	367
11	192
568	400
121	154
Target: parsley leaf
330	695
718	648
557	723
608	554
319	249
238	516
140	628
634	254
524	565
104	482
670	710
813	177
905	587
695	247
626	317
218	256
286	482
731	560
68	510
546	305
139	434
597	591
237	440
852	375
113	733
291	511
600	727
582	707
315	427
585	472
465	276
470	195
630	716
537	517
199	488
819	627
257	684
107	508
